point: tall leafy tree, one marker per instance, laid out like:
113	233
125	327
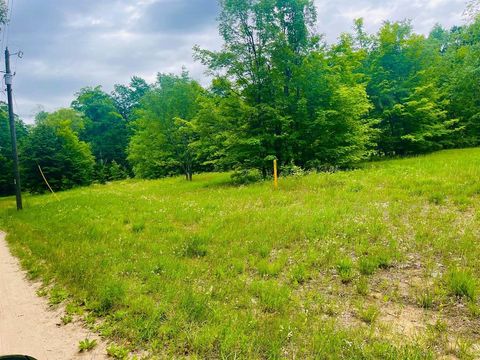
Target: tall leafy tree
105	129
164	133
459	73
7	185
400	83
269	57
336	130
54	147
127	97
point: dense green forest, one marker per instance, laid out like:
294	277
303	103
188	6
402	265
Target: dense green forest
278	91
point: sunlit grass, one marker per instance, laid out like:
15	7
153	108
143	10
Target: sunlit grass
210	270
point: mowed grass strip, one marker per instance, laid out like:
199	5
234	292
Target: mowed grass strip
210	270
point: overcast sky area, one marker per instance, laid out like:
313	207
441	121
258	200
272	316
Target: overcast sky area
70	44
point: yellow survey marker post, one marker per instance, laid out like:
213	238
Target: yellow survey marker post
275	174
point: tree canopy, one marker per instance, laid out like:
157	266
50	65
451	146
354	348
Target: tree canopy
278	91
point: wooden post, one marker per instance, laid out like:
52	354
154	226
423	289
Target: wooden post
13	132
275	174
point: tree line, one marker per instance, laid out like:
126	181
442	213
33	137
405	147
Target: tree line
278	91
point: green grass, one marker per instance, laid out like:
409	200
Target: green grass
462	284
211	270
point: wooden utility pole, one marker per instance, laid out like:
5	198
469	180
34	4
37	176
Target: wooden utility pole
13	132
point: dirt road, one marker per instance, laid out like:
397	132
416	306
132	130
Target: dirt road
27	325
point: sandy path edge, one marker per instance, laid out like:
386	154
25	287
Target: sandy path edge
28	326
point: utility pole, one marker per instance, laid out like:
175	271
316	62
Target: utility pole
13	132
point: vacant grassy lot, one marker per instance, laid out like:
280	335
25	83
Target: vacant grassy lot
380	262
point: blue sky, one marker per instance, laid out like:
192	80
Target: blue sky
69	44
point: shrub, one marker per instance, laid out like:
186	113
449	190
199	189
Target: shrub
292	170
245	177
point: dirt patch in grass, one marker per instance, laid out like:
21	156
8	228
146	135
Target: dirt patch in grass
407	312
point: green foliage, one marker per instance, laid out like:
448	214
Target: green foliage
117	172
362	286
87	345
53	145
66	319
3	12
342	134
105	129
6	157
194	247
246	176
277	97
117	352
280	92
460	68
127	98
367	265
300	274
57	296
164	131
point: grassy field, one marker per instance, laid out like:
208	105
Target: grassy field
380	262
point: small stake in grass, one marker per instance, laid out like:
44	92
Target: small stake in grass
275	174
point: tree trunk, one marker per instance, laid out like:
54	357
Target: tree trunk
188	172
264	172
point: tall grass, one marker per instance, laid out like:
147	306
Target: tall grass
211	270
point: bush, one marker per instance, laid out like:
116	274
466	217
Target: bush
245	177
292	170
